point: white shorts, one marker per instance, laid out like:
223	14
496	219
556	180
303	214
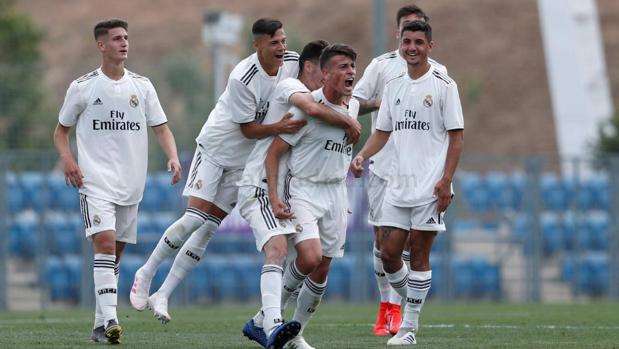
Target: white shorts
423	218
212	183
377	187
255	208
101	215
321	211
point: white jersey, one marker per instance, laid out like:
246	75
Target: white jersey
381	70
255	173
112	138
319	151
418	113
247	98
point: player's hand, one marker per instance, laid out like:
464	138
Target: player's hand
72	173
356	166
287	125
175	167
353	132
442	191
280	210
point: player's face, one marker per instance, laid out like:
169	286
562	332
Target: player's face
114	45
415	47
339	74
405	20
315	75
272	48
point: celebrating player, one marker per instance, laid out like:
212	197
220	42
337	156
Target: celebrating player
421	111
368	91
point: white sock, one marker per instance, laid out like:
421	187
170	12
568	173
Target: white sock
190	254
173	239
384	288
291	281
99	320
418	287
398	280
308	301
271	289
106	285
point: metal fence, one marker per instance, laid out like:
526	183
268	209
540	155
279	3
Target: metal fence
531	229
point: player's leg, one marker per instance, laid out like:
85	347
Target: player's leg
425	222
376	193
100	223
272	239
190	254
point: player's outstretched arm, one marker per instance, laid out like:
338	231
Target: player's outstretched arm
442	189
374	144
368	105
305	102
278	148
168	144
254	130
72	173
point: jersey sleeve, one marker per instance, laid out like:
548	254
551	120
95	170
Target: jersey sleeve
384	118
452	108
293	138
289	87
242	102
367	85
72	107
154	112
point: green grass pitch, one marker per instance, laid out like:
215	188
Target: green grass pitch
335	325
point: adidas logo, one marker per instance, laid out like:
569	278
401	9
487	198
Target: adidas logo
97	102
431	221
397	102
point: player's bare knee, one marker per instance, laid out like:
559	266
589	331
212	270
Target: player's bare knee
276	250
309	262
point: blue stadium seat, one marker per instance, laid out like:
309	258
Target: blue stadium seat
248	269
15	196
172	195
153	198
62	196
56	278
556	192
463	278
339	281
505	191
598	230
23	235
474	191
552	233
198	282
585	196
61	233
33	189
593	274
221	278
73	267
567	268
601	192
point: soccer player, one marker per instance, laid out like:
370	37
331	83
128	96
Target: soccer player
421	111
315	187
111	108
223	145
368	91
271	233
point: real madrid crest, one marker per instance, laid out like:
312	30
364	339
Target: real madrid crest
199	184
96	220
299	228
133	101
427	101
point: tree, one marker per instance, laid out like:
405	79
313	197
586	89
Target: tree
21	97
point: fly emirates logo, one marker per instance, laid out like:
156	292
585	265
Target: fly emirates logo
339	147
409	122
116	122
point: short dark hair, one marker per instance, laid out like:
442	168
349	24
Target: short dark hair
410	10
266	26
311	52
336	50
103	27
418	26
